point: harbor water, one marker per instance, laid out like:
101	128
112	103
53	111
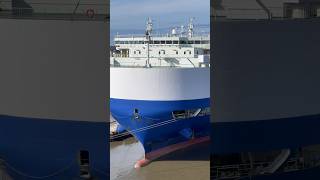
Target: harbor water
188	164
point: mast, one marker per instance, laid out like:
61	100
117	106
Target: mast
190	28
148	36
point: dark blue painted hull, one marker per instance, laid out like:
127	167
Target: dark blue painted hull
156	119
265	135
307	174
50	148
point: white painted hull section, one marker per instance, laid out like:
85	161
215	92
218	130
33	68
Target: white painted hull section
161	84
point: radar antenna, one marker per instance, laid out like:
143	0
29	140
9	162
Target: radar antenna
148	36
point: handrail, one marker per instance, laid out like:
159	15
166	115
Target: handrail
244	169
269	14
77	5
202	35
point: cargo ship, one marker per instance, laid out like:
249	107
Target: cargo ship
159	88
53	117
265	122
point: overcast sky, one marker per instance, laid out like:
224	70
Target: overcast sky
131	15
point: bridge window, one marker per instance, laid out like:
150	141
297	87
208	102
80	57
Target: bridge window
168	42
183	42
175	42
163	52
137	52
185	52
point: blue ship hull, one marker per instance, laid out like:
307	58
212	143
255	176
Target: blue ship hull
264	135
154	125
49	149
306	174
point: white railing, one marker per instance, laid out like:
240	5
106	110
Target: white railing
157	62
204	35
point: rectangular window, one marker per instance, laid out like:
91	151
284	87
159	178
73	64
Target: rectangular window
175	42
182	42
163	42
156	42
190	42
168	42
197	42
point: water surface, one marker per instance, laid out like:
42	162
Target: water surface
188	164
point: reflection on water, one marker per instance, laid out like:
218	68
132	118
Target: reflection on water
188	164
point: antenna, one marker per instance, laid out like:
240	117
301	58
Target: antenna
149	27
182	30
190	27
148	36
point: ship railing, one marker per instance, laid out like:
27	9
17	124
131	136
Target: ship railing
237	170
177	62
41	10
276	13
154	66
247	169
203	34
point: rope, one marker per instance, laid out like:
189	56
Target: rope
145	128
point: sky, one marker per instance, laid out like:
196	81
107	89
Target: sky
129	16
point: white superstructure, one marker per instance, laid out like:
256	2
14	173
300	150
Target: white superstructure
183	49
